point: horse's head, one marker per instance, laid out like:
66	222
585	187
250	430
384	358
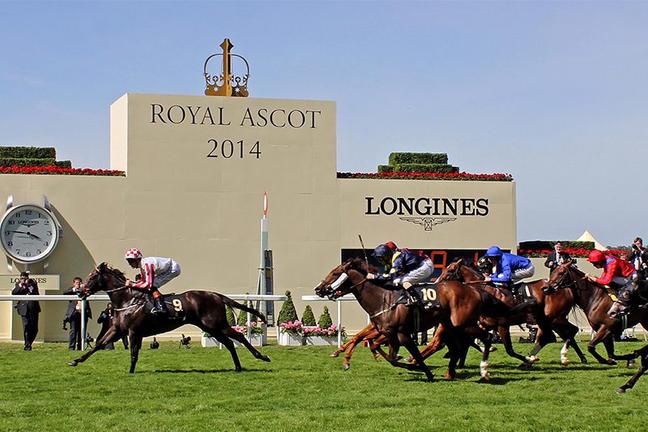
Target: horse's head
338	282
452	271
563	276
103	277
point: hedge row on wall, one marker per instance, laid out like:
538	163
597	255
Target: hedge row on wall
420	168
549	244
25	162
28	152
417	158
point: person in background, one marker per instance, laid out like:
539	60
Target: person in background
105	319
639	257
28	310
556	257
73	314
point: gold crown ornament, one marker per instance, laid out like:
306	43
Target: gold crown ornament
226	83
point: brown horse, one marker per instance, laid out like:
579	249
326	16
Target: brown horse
643	353
550	310
369	334
204	309
458	309
595	302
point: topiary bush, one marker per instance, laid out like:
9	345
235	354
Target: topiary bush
416	167
28	152
287	312
308	319
23	162
325	320
417	158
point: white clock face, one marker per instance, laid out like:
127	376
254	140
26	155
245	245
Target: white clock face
28	233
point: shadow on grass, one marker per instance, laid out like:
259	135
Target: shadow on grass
205	371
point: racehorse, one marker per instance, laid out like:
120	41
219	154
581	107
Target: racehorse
458	308
549	311
370	334
204	309
595	302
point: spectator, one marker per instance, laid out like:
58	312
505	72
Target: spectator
639	257
105	319
556	257
73	315
28	310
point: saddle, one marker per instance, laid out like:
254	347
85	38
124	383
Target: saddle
424	294
173	303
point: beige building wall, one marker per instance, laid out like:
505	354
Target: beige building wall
197	168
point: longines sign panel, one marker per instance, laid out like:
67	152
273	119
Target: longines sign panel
426	211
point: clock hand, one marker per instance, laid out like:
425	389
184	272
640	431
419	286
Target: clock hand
21	232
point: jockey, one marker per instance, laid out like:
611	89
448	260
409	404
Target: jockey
403	267
619	275
507	269
154	272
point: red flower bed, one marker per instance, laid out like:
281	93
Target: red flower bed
428	176
59	171
573	252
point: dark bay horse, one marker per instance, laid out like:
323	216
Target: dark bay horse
459	309
204	309
549	312
595	302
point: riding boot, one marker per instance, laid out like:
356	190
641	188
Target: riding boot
413	298
618	309
159	307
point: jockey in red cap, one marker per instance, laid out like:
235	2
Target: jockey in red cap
618	274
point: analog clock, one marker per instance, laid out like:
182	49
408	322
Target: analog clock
28	233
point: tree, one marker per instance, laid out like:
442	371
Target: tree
308	319
229	315
325	320
288	312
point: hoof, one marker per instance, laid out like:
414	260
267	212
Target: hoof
584	360
73	363
565	363
448	377
265	358
430	378
621	390
611	362
346	367
484	379
630	364
334	354
238	369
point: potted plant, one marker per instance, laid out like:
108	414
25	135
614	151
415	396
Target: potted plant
324	333
290	328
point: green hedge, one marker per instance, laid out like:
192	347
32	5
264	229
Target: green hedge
385	168
28	152
415	167
417	158
63	164
22	162
549	244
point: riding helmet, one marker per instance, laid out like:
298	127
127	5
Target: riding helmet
133	253
494	251
382	252
596	256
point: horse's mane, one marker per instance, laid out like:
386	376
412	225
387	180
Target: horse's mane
360	265
114	271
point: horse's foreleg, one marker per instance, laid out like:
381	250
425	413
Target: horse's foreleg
643	352
483	365
505	335
348	352
239	337
135	346
359	337
111	335
410	345
602	335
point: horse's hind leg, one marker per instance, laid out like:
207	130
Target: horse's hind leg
111	335
227	343
239	337
409	344
602	335
135	346
643	352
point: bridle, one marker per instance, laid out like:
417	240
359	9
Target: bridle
561	283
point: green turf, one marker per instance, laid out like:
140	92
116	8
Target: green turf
303	389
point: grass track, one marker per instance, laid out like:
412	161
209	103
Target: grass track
305	390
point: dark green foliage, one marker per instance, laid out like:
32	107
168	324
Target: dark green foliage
28	152
417	158
325	320
23	162
243	317
63	164
229	315
385	168
308	319
416	167
549	244
288	312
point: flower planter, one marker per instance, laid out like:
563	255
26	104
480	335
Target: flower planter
210	342
321	340
290	339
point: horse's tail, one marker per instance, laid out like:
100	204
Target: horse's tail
233	303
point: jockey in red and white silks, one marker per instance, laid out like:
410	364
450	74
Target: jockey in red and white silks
154	272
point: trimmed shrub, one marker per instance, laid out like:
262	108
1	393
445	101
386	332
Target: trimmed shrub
385	168
242	318
417	158
308	319
325	320
28	152
416	167
549	244
287	312
24	162
63	164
